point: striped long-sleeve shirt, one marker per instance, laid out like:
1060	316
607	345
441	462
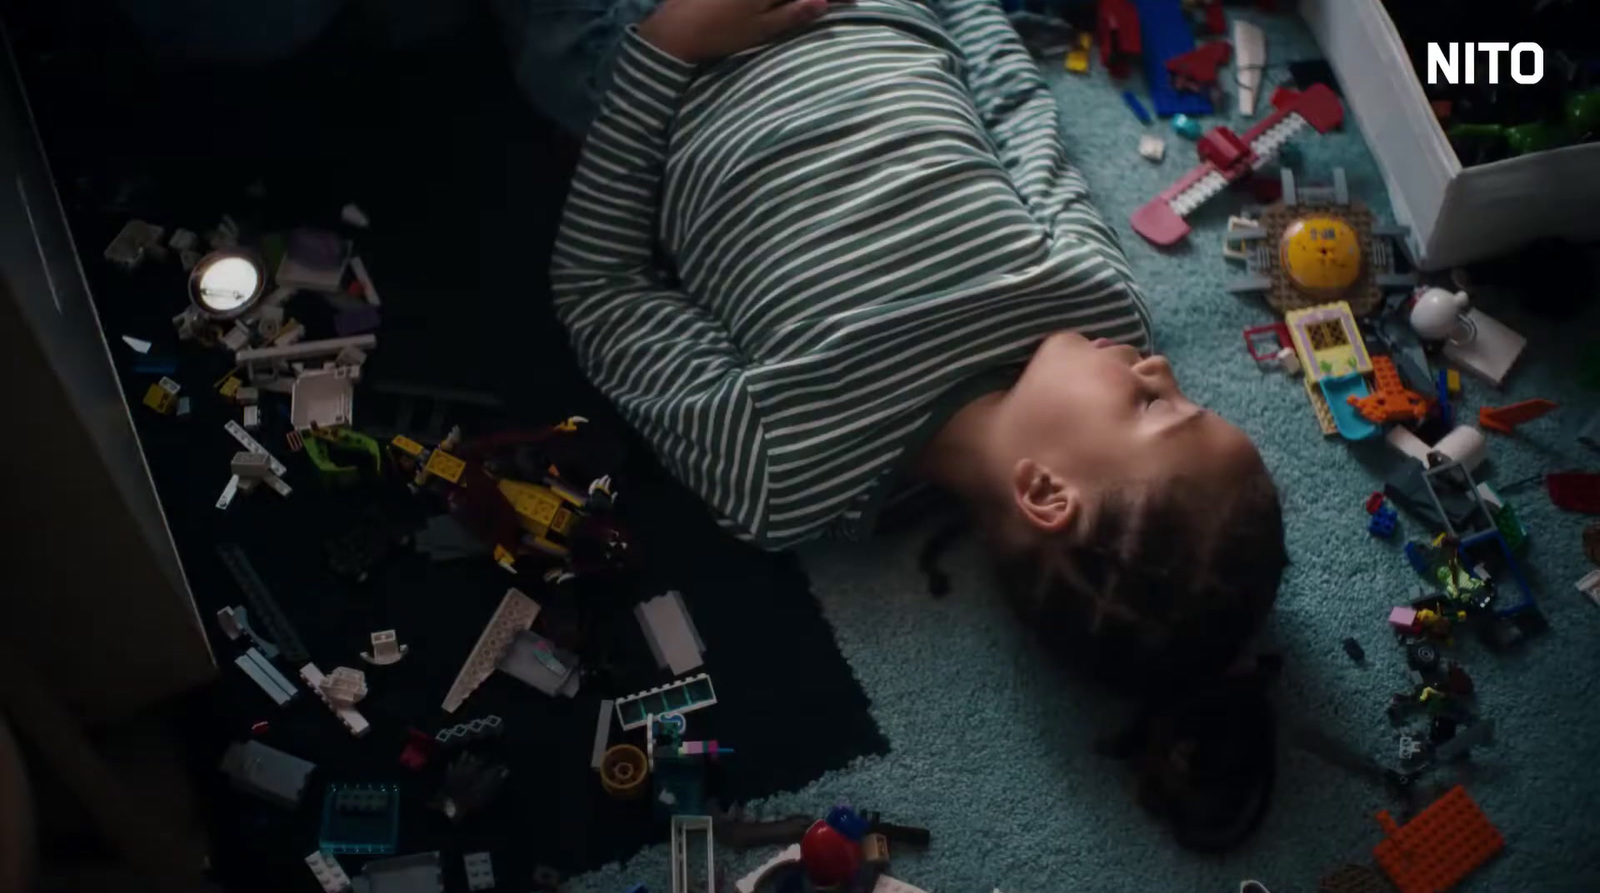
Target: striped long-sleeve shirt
789	268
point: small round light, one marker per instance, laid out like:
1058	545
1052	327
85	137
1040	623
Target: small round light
226	284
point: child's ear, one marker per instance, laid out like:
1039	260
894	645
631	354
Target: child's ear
1049	503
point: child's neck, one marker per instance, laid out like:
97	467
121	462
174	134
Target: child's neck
964	456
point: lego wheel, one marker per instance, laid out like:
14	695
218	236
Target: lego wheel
1422	656
623	770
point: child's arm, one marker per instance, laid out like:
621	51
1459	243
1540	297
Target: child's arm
667	364
1020	112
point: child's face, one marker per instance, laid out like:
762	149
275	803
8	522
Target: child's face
1097	412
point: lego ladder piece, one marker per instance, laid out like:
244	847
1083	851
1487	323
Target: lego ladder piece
673	699
264	674
1160	220
262	603
1442	845
515	614
329	873
1319	406
354	721
682	826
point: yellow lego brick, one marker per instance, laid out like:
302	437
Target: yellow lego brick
534	503
1319	405
1452	382
1077	61
406	445
446	466
503	557
160	400
229	387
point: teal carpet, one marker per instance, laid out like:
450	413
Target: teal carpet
991	748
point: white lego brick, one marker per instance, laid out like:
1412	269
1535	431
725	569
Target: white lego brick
237	338
329	873
514	615
289	334
246	395
1250	51
264	674
1152	148
323	398
354	721
1589	585
249	443
602	736
670	631
386	648
344	687
353	215
168	385
888	884
139	345
305	350
480	871
247	464
229	490
252	418
277	485
789	855
228	622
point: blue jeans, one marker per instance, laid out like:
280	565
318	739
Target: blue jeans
562	51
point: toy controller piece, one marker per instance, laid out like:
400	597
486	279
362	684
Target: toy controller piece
1226	157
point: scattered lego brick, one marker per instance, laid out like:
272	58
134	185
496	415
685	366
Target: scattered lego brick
328	872
1353	648
1353	879
480	871
1383	522
1440	846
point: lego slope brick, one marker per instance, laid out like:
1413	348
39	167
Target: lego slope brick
1442	845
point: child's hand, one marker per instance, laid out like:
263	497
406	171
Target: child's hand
701	31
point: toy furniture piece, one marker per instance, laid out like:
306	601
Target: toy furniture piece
1316	246
1226	157
1474	340
1439	847
1334	358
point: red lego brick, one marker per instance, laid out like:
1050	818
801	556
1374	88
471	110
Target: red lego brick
1117	32
1223	148
1216	22
1443	844
1505	419
1197	69
1374	502
1575	491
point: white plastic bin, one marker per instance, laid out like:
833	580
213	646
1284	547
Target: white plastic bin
1456	214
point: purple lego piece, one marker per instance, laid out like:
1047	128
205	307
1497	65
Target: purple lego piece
356	321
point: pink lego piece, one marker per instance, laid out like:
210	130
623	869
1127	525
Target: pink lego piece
1404	620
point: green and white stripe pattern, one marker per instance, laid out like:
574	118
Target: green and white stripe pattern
780	267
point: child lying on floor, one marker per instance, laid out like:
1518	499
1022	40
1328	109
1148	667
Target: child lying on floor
817	252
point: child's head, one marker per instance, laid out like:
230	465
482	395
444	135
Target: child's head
1137	532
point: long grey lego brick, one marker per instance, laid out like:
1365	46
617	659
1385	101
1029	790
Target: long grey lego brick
266	772
262	603
261	670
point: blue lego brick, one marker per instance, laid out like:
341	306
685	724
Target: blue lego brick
1135	106
360	818
1441	386
1165	32
1383	521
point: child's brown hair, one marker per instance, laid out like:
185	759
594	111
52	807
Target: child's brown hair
1162	586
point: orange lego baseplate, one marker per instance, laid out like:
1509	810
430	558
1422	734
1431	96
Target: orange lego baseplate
1442	845
1390	400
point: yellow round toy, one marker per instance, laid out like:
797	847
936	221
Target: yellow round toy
1321	254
